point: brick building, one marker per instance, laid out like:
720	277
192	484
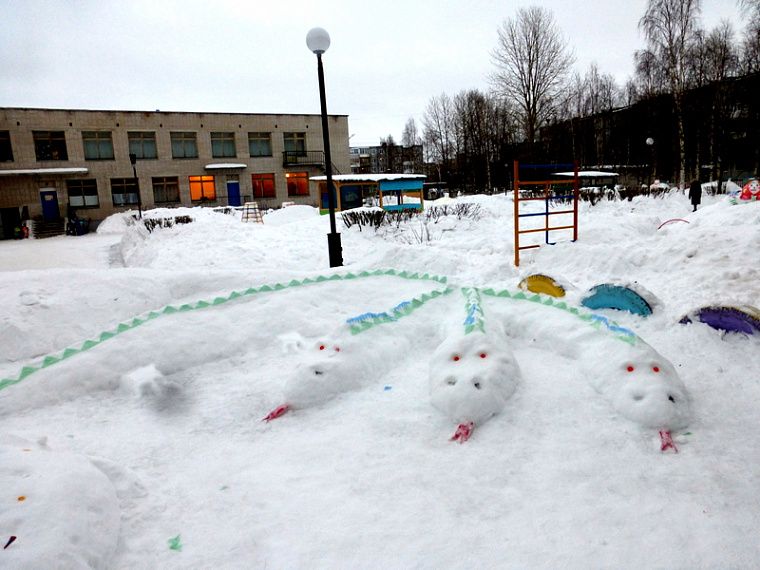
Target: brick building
54	161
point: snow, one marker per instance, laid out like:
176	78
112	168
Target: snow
73	170
223	165
369	177
145	448
589	174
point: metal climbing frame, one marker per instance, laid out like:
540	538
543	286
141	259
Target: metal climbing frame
529	190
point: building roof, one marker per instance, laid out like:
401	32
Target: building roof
223	165
369	177
159	111
73	170
588	174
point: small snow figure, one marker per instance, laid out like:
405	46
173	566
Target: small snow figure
645	388
751	190
695	194
471	378
335	364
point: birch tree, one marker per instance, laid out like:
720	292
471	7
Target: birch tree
670	27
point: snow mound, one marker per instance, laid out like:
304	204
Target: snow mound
290	215
63	511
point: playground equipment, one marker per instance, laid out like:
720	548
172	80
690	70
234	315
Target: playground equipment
251	213
352	190
742	318
533	186
540	283
609	296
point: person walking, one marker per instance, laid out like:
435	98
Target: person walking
695	194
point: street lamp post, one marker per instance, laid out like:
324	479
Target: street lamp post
318	40
133	160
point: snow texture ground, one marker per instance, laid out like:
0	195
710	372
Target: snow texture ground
148	450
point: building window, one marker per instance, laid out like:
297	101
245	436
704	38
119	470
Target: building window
295	143
50	145
263	185
6	152
83	193
184	145
298	183
202	188
142	145
260	144
124	191
97	145
166	190
223	145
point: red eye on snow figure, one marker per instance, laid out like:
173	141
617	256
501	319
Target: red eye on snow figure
337	349
321	347
455	358
630	368
483	355
655	368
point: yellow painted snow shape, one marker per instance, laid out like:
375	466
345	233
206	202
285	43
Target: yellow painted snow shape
542	284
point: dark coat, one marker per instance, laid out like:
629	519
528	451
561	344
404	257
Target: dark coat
695	193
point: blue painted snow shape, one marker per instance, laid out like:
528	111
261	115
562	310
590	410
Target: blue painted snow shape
608	296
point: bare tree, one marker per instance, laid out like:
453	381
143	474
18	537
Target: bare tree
532	60
410	136
669	27
438	133
750	7
630	93
650	73
601	93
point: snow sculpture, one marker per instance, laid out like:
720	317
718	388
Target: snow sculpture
642	385
472	374
337	363
471	378
61	509
328	367
540	283
739	319
629	298
751	190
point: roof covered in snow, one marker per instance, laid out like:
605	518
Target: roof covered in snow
73	170
369	177
222	165
588	174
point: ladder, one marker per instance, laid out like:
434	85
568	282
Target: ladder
530	190
251	213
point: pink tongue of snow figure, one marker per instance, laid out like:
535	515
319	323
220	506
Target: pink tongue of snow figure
471	378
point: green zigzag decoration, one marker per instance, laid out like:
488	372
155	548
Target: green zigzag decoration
50	360
562	305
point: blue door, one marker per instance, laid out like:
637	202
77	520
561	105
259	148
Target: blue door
50	210
233	193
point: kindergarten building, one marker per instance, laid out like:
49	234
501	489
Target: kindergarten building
54	162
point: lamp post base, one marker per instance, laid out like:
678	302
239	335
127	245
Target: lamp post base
335	249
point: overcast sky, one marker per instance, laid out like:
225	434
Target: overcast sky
387	58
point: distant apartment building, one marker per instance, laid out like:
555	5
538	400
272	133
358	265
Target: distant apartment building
54	162
385	158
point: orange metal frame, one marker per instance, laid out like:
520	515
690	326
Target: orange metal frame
547	185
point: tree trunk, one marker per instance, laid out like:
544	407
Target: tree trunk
681	141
